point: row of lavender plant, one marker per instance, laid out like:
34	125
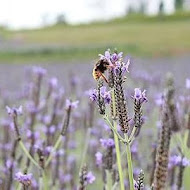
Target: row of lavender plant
55	142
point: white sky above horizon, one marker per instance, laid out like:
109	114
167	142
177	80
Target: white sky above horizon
29	14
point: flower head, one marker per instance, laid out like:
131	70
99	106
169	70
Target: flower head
117	68
9	163
125	67
106	55
116	57
25	179
53	82
188	83
106	95
39	70
31	107
106	143
177	160
140	96
185	162
159	100
14	111
70	104
99	157
48	150
90	178
92	94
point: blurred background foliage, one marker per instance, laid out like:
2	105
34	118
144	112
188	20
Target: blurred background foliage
136	33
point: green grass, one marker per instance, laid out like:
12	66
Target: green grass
57	54
136	34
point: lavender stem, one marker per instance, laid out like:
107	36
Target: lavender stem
86	147
28	154
116	139
54	149
130	166
114	129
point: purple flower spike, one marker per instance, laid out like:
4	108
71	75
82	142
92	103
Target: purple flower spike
116	57
71	104
176	161
106	95
39	70
31	108
14	111
106	143
90	178
9	163
140	96
110	143
53	82
125	67
25	179
99	157
159	100
188	83
92	94
185	162
106	56
138	93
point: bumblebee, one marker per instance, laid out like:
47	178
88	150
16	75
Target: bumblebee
100	67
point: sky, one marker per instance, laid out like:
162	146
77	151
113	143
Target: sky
18	14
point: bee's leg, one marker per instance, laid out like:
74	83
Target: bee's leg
104	77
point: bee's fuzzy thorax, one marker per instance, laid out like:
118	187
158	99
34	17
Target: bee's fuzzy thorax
100	67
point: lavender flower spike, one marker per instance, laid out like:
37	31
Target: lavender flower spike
116	57
71	104
188	83
106	95
106	56
25	179
125	67
90	178
140	96
92	94
14	111
53	82
39	70
106	143
99	157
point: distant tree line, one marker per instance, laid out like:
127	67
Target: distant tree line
178	4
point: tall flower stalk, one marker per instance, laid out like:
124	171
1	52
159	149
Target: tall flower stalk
14	113
69	106
118	154
119	112
162	153
130	164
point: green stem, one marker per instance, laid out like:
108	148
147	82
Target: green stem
45	182
130	165
19	186
108	180
41	183
28	154
114	129
85	148
115	186
53	150
131	137
118	155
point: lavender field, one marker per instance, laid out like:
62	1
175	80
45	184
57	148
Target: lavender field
62	129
